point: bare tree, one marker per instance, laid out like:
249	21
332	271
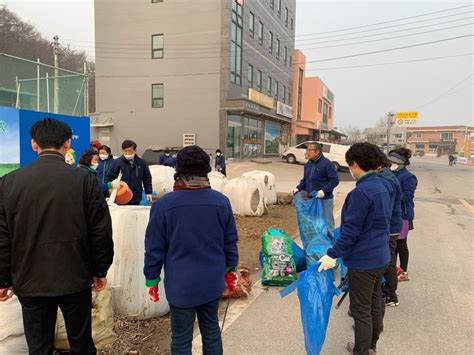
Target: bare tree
353	133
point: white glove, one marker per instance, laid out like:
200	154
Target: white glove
116	184
326	263
320	194
149	198
294	191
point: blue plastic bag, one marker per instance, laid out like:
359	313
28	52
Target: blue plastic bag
315	293
312	227
299	256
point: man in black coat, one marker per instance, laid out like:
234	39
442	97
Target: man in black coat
55	241
135	172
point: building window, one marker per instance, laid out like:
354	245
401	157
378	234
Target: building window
156	1
278	49
320	106
330	116
275	90
250	75
447	136
157	96
260	32
284	94
236	44
300	93
251	24
269	86
272	4
289	98
270	41
325	112
252	137
279	7
157	50
418	135
286	16
285	58
259	80
292	24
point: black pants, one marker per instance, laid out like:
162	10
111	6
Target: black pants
39	321
182	326
403	253
391	279
365	294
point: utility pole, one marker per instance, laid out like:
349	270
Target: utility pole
390	116
56	74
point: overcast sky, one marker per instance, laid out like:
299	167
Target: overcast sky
362	94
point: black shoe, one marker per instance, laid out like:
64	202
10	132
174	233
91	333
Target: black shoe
391	302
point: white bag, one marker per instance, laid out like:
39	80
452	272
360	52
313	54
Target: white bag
217	180
267	181
246	196
162	179
12	334
125	277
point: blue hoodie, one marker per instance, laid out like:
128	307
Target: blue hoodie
408	183
319	174
365	224
102	171
395	191
193	234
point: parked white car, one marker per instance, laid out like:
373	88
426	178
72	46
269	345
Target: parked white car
334	152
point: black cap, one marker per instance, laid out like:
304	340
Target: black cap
193	161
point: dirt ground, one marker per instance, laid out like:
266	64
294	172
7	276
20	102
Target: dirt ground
153	336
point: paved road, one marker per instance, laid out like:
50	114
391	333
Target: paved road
436	313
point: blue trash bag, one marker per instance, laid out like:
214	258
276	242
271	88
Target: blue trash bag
144	201
312	227
299	256
315	293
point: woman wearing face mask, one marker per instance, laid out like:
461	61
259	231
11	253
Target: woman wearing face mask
400	159
90	161
105	162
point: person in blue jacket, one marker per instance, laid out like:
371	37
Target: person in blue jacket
320	179
192	233
167	159
395	192
135	172
105	163
220	162
400	159
363	245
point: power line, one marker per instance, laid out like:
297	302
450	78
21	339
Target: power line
308	70
447	92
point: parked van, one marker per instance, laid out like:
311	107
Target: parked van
334	152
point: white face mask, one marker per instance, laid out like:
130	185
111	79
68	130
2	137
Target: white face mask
394	167
103	156
129	157
218	154
94	166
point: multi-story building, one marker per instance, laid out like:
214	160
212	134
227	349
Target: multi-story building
313	106
378	135
441	139
217	73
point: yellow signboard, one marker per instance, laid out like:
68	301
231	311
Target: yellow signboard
261	99
406	115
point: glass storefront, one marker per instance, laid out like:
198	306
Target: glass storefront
253	137
234	136
272	137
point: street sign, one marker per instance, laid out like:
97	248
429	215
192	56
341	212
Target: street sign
406	118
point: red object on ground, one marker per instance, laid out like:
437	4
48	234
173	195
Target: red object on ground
243	286
231	280
124	194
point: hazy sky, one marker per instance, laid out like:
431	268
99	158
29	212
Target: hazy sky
362	94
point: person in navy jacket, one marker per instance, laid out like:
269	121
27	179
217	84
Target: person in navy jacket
105	163
395	192
220	162
363	245
320	179
168	160
135	172
400	159
192	234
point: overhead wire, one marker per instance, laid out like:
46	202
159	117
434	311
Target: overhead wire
450	91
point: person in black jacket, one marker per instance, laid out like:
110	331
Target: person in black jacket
135	172
55	241
220	162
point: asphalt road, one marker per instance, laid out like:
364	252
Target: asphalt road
436	312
